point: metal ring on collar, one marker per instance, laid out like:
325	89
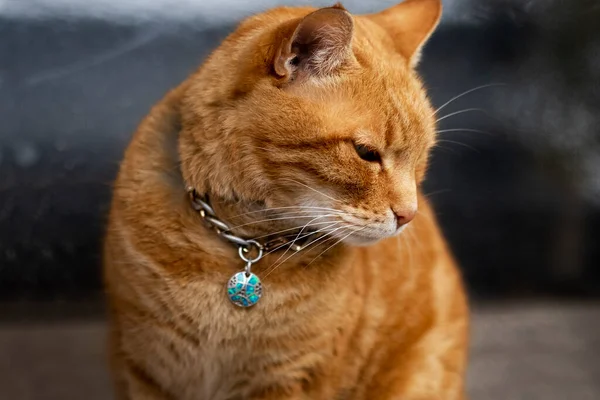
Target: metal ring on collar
252	243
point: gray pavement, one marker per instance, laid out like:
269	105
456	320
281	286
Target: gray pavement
528	352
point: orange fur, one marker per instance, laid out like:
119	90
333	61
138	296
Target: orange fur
270	120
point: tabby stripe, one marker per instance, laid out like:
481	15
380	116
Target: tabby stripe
305	166
189	339
313	144
168	319
164	305
139	373
181	324
170	326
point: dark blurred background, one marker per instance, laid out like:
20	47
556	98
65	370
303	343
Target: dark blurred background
514	179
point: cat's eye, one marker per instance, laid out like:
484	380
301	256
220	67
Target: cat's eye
367	153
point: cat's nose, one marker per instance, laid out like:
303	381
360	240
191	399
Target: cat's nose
404	215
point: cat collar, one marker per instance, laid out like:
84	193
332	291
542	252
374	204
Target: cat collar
244	288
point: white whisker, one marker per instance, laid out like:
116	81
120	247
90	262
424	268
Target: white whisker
273	267
459	143
280	219
408	247
302	237
427	217
463	130
314	190
296	238
264	148
459	112
466	93
289	229
336	243
436	192
300	208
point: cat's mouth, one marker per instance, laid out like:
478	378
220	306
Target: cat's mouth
365	236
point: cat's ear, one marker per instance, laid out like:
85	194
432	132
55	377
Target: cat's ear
317	46
410	24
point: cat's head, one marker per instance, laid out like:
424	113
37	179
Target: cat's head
316	112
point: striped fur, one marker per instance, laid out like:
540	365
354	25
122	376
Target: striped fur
383	320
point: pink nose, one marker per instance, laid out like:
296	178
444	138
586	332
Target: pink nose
404	216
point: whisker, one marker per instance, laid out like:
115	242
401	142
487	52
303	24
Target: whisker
336	243
436	192
264	148
413	233
464	130
447	149
408	246
314	190
429	218
288	207
273	267
307	213
280	219
459	112
466	93
289	229
302	237
296	238
460	144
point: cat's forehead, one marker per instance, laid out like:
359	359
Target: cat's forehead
385	109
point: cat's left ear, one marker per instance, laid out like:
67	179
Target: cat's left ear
410	24
318	44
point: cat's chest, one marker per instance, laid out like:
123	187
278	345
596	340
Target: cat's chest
242	350
241	365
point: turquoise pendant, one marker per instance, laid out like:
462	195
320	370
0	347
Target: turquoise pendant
244	289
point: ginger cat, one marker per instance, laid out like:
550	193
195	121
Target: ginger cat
307	118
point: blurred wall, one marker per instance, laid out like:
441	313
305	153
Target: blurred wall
514	183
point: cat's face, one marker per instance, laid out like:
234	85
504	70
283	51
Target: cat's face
338	128
358	145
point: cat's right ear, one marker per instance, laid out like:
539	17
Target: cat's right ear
410	24
318	45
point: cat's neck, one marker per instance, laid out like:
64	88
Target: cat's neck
285	247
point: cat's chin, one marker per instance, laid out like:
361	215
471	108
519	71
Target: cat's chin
361	241
364	240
